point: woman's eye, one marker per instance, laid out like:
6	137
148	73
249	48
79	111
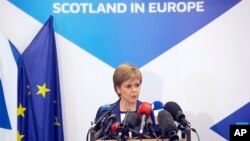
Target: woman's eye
137	85
128	86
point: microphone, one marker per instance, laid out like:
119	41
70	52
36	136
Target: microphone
175	110
111	119
157	106
132	122
106	112
144	112
115	126
167	126
149	124
99	132
122	128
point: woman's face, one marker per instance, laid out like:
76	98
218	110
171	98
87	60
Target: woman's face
129	90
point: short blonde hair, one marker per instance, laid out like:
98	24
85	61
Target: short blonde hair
125	72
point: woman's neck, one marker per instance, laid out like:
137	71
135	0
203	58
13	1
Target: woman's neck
124	106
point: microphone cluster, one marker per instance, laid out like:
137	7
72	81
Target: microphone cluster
150	121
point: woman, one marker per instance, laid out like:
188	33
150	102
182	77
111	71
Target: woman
127	81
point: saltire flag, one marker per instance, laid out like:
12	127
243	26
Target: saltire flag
39	104
8	89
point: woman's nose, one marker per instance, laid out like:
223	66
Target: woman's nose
134	88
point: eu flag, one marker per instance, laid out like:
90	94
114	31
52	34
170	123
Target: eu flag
39	103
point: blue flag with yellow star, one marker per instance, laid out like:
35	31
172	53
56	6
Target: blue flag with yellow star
39	104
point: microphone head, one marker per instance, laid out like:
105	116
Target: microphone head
145	108
115	126
157	105
133	120
167	125
175	110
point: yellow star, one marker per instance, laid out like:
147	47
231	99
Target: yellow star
42	90
56	123
20	110
19	136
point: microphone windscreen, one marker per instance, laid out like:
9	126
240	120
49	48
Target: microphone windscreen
157	105
173	108
115	126
145	108
166	122
133	120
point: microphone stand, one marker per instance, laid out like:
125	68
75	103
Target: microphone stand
185	132
102	117
92	133
123	129
92	130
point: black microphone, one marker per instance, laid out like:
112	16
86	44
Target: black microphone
175	110
132	122
122	129
93	126
167	126
99	133
149	124
111	119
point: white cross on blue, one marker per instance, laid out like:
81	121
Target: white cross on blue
4	117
